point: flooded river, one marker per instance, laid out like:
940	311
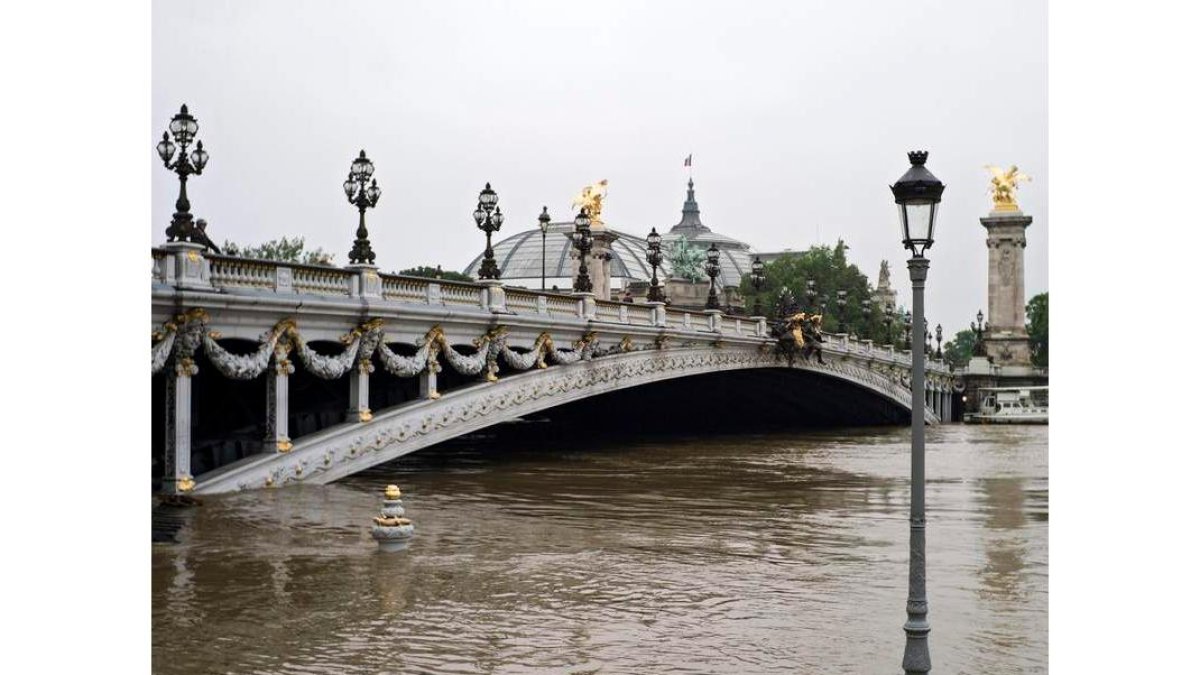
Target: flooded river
782	553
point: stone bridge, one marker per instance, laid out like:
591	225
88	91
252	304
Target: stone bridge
345	368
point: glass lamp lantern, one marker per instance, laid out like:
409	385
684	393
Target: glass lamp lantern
917	194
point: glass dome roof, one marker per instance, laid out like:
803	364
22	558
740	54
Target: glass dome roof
520	256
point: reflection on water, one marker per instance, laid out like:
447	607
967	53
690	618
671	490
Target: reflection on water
767	554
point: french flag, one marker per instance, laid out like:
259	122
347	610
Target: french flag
688	161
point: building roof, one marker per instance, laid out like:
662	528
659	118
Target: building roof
520	256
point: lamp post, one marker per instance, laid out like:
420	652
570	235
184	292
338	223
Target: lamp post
654	256
544	224
183	127
866	314
811	292
489	219
977	328
582	238
928	338
841	304
362	196
917	193
939	340
889	315
712	267
757	279
908	331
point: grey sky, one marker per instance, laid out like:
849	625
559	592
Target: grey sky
798	115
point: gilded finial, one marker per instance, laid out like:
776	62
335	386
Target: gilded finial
392	492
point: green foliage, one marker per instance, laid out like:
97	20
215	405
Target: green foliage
957	352
1037	323
828	267
282	249
434	273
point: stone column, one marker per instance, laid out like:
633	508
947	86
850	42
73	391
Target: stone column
600	264
277	439
177	477
714	320
368	283
497	302
1007	341
659	316
360	381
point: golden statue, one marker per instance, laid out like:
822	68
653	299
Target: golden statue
591	199
1004	187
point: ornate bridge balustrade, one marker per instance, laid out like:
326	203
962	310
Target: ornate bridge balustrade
514	352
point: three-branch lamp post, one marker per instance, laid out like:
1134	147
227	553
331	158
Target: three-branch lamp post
363	196
977	328
582	238
654	256
757	279
938	331
183	127
712	267
489	219
917	194
544	224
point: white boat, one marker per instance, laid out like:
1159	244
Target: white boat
1012	405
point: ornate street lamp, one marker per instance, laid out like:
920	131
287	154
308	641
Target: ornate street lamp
866	314
917	194
757	279
582	238
489	219
544	224
363	196
654	256
928	338
841	303
183	127
811	293
889	315
939	340
712	267
908	331
979	349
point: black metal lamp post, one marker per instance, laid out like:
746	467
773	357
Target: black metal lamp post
977	328
866	314
363	196
811	292
544	224
582	238
489	219
917	194
841	304
889	315
712	267
654	256
183	127
758	278
939	340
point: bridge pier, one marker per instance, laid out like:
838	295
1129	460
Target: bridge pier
177	476
277	439
360	403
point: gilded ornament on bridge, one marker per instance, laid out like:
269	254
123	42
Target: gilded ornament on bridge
1004	187
591	199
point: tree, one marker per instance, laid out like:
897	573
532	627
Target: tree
828	268
282	249
957	351
434	273
1037	324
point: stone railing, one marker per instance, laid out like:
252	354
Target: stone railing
172	265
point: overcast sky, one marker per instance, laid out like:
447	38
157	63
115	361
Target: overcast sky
798	115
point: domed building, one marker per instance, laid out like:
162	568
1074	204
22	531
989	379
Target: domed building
520	256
